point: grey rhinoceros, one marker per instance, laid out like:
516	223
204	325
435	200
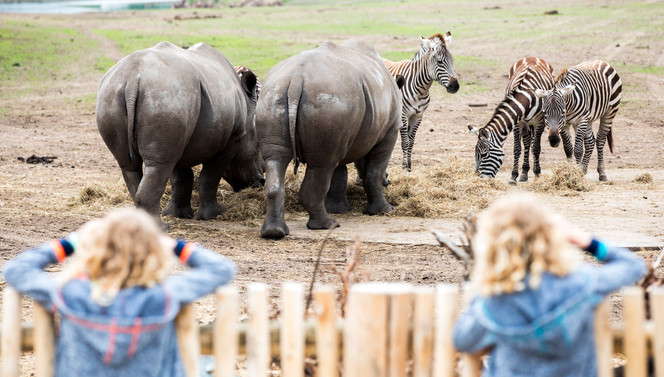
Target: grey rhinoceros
327	107
170	109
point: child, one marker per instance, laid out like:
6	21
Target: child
116	299
535	303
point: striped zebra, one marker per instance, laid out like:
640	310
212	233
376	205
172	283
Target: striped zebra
432	62
582	94
519	111
240	69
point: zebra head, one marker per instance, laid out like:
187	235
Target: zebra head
489	155
555	110
441	62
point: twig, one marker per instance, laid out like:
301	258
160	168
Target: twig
313	278
458	252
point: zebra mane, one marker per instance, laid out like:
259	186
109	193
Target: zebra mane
440	37
561	76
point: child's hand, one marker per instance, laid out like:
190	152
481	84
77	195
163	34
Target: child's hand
578	237
167	242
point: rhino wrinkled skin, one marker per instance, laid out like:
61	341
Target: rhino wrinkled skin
164	109
327	107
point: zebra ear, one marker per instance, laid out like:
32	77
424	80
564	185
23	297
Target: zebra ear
448	39
541	93
568	89
473	130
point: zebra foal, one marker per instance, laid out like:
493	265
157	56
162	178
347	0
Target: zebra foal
520	111
432	62
581	95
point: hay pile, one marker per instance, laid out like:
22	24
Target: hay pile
566	178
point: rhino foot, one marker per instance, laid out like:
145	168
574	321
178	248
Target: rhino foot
374	209
209	212
184	212
325	223
332	206
275	231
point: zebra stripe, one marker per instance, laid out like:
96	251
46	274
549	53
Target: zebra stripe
520	111
583	94
432	62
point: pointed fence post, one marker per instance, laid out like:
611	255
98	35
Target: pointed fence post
447	307
188	340
44	339
327	342
399	312
225	343
292	330
657	313
423	331
258	333
11	332
635	336
604	340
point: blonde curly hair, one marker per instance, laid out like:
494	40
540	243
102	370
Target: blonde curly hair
518	237
123	249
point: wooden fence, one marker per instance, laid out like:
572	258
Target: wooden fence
388	329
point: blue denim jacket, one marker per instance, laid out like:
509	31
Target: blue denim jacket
134	335
546	331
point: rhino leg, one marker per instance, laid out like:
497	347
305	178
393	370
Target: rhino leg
336	200
151	189
208	185
274	225
132	178
314	187
375	165
182	182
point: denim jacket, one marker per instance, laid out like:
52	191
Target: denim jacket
135	334
546	331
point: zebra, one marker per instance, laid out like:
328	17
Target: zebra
240	69
581	95
520	111
432	62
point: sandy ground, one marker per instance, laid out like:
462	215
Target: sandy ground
42	201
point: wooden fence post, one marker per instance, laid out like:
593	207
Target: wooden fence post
11	332
44	342
635	337
225	339
292	330
447	307
472	364
423	331
604	340
399	309
258	333
657	313
188	339
365	331
327	351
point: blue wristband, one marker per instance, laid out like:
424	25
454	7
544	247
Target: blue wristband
597	249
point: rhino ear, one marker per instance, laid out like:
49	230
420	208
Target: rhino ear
248	81
448	39
541	93
473	130
400	81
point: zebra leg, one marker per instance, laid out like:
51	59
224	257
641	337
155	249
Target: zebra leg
578	141
537	148
604	129
526	137
404	144
567	143
413	125
588	146
517	153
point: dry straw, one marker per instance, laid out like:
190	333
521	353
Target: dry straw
566	178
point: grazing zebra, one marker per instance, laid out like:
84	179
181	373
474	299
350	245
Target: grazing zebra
240	69
582	94
519	111
432	62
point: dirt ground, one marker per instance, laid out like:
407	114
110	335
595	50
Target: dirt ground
42	201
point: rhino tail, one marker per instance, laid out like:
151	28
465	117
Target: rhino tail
294	95
131	94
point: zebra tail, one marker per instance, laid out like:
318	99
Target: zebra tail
294	95
131	94
609	139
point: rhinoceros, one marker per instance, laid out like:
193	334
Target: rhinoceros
171	109
327	107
